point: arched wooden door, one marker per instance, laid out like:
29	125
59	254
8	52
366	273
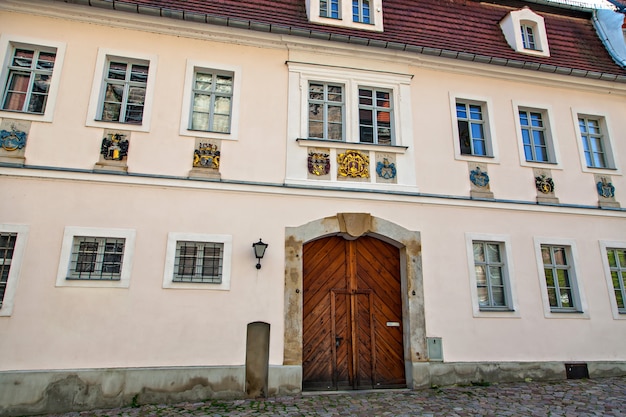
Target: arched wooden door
352	315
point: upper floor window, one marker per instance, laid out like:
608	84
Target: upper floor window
361	11
525	32
28	80
124	91
326	111
528	37
354	14
617	265
212	101
329	8
471	128
29	77
594	142
375	116
534	136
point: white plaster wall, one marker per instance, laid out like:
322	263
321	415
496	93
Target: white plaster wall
146	325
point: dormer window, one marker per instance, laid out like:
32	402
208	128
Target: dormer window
528	37
525	32
361	11
329	8
352	14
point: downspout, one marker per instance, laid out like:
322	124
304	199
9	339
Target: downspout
608	25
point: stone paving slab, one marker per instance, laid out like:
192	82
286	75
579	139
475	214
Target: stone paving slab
571	398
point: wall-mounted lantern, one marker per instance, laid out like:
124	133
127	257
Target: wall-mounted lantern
259	251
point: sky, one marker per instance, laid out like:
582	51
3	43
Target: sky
601	4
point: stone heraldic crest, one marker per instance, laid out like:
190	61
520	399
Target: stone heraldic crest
386	169
319	163
13	140
353	164
544	184
114	147
605	188
206	156
479	178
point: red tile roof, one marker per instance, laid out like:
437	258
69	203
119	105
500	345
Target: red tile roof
465	29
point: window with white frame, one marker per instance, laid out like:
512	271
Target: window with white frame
472	128
326	111
525	32
491	275
594	141
361	11
29	77
354	14
330	8
212	101
7	247
616	258
528	36
375	116
124	90
12	242
560	278
29	74
198	261
536	139
95	257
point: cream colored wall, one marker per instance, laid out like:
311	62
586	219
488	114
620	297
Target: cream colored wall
146	325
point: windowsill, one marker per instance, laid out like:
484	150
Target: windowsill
133	127
335	144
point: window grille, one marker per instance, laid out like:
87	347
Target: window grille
7	246
124	94
198	262
28	80
95	258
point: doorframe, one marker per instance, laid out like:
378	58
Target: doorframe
352	226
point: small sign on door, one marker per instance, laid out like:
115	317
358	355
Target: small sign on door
393	324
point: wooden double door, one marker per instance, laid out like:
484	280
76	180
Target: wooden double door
352	315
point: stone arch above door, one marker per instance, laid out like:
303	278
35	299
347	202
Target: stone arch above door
352	226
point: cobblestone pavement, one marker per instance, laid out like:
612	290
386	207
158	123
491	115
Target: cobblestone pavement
580	398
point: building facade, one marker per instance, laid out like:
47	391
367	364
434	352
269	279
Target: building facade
440	187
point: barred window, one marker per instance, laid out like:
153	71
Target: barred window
7	246
198	262
96	258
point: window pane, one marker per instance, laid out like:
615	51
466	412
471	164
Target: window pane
621	256
201	103
481	275
566	298
221	123
200	121
495	275
479	254
545	255
559	256
114	93
139	73
335	131
203	82
498	297
552	297
224	84
222	105
117	70
483	297
611	256
111	112
549	277
87	252
493	253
